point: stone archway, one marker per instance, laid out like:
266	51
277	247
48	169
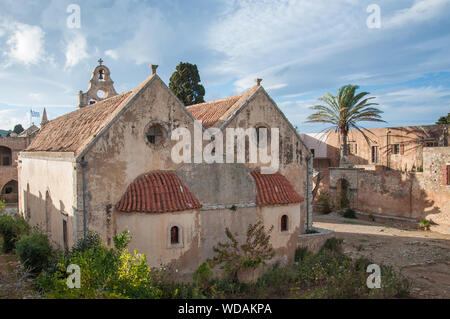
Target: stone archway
344	186
9	192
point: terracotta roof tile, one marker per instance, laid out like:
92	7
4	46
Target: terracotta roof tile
274	189
157	192
216	112
72	131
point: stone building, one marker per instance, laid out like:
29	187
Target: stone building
9	149
402	172
398	148
107	167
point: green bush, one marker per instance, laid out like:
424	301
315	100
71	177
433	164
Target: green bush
34	251
425	224
324	201
203	275
11	228
333	245
348	213
105	272
92	241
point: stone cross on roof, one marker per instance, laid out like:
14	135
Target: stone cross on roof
100	61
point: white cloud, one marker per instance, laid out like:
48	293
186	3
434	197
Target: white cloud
9	118
26	44
422	10
418	100
76	50
112	54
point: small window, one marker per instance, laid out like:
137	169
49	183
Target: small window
395	149
260	133
174	235
313	152
352	148
65	239
284	223
155	134
375	154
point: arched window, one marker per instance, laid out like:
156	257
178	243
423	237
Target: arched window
284	223
174	235
101	75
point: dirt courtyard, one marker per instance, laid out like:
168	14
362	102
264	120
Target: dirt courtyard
423	256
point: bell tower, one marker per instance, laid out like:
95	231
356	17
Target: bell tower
100	86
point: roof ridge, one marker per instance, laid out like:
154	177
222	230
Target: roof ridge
215	101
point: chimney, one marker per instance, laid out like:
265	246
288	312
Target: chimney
154	67
258	81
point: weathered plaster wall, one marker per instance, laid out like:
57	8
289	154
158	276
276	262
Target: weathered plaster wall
122	153
292	154
47	183
204	229
219	184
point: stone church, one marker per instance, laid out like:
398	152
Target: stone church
107	167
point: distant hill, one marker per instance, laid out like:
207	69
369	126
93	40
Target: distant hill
4	132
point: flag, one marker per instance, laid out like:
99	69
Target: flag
34	114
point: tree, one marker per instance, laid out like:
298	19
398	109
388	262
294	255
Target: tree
18	129
444	119
344	111
185	84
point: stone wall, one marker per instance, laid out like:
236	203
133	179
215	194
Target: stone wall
409	195
9	173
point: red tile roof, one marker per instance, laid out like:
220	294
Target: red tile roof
274	189
71	132
217	112
157	192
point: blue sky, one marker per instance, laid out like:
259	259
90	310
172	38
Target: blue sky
301	49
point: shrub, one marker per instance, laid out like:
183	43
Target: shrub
11	228
105	272
2	206
92	241
255	251
203	275
324	201
348	213
344	201
301	253
425	224
34	251
333	245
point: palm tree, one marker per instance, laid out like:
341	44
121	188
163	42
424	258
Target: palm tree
344	111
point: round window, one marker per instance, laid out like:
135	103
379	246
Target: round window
156	133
